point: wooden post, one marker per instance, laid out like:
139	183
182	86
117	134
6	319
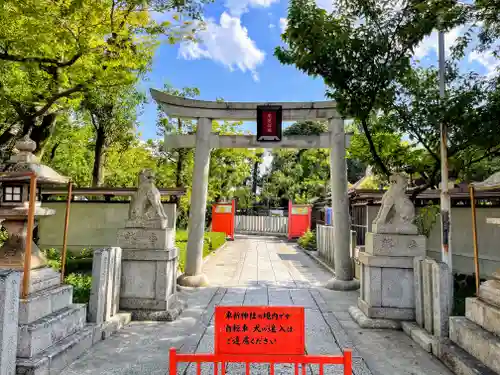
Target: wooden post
29	236
65	235
474	235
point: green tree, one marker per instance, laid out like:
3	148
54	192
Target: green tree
113	115
468	111
360	49
53	51
297	175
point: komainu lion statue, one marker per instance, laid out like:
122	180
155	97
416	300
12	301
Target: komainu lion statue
146	210
397	212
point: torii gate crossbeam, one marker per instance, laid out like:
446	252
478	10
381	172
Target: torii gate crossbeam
204	140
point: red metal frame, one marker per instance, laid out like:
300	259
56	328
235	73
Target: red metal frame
224	222
292	227
297	360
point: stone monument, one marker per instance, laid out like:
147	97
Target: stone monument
52	331
387	285
149	258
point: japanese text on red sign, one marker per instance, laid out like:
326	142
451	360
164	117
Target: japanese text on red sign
269	122
260	330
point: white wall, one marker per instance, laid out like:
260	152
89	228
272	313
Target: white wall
91	224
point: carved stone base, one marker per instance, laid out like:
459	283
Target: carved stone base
150	224
387	278
148	239
169	314
391	228
148	279
395	244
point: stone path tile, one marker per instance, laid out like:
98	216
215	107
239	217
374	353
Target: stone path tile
258	271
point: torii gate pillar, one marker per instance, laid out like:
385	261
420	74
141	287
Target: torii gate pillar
193	276
344	273
205	140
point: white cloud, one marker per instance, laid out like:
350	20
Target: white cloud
227	43
486	59
325	4
272	25
238	7
283	24
430	43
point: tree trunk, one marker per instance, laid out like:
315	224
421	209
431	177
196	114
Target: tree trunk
41	133
255	176
98	157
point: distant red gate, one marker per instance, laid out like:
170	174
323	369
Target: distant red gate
223	218
299	219
260	334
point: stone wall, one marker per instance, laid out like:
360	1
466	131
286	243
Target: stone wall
462	245
91	224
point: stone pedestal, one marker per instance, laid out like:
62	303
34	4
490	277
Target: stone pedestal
149	272
387	294
477	335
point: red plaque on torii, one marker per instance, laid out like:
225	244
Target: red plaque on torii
269	123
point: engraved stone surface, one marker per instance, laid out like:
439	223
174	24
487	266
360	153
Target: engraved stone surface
397	212
151	239
441	298
146	210
97	302
9	308
395	244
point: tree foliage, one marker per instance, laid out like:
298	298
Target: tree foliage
53	51
361	48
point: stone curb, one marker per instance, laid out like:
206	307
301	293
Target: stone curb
312	254
212	254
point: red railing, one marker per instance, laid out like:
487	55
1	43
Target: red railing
223	359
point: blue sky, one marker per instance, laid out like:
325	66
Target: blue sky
234	59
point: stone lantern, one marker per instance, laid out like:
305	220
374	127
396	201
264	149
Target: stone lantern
14	205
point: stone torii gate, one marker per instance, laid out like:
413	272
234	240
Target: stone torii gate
204	140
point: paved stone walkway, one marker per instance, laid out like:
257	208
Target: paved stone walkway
259	271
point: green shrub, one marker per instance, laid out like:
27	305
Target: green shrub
308	240
75	263
426	219
81	286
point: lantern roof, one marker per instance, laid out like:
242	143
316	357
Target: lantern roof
25	161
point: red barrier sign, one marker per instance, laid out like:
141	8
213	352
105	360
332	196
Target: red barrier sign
223	218
259	330
299	219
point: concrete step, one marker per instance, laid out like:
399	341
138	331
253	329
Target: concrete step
476	341
43	278
483	314
44	302
35	337
461	362
53	360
